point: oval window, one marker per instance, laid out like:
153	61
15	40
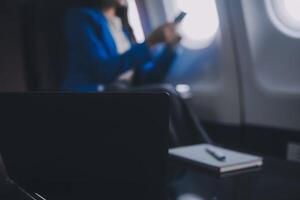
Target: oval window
135	21
201	23
293	9
285	16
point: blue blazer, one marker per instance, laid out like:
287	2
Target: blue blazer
93	59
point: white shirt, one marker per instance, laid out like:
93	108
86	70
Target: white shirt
122	42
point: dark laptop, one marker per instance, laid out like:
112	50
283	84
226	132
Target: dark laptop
86	146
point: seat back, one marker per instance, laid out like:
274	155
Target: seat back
44	44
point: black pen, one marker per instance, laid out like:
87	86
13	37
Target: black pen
216	154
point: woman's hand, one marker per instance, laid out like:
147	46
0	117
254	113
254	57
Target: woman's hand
164	34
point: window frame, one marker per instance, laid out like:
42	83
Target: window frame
281	19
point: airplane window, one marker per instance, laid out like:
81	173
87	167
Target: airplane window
285	16
293	8
135	21
201	23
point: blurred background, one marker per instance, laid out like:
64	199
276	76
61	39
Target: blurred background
241	59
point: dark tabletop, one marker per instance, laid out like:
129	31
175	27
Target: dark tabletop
276	180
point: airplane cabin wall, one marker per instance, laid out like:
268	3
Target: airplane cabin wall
250	73
270	66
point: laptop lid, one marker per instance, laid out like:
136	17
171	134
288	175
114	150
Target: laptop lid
92	145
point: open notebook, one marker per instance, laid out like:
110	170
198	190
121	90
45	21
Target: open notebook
199	155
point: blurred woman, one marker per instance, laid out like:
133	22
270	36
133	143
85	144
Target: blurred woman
102	48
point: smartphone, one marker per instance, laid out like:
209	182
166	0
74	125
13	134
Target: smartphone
180	17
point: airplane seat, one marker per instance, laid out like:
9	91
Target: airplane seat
12	77
44	45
